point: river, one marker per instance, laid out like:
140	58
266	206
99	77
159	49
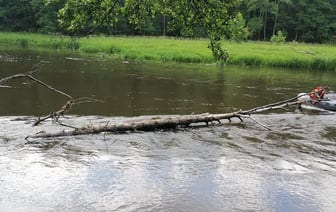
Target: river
237	166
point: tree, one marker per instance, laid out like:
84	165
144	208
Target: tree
238	29
83	17
301	20
309	20
17	15
45	13
258	10
29	15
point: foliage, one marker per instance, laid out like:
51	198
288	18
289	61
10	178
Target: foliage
12	11
46	15
278	38
238	29
84	17
303	20
289	55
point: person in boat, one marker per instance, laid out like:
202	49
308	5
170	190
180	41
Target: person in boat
317	93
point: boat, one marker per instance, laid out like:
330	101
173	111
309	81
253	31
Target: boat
318	100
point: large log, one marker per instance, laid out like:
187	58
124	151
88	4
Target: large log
167	122
148	124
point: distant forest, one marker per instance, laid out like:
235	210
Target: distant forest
312	21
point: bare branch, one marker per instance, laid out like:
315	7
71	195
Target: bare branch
65	109
48	86
30	77
56	115
36	66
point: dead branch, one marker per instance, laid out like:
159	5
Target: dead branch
170	122
274	106
56	115
259	123
37	66
30	77
149	124
53	115
65	109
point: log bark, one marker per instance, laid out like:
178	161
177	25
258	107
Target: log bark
171	122
149	124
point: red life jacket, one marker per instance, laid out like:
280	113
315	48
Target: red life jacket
317	93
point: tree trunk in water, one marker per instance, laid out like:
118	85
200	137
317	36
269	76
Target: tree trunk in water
168	122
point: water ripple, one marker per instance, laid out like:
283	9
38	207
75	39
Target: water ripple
290	168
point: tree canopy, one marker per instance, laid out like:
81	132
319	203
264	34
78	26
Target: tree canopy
299	20
185	17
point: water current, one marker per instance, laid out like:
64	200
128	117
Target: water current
237	166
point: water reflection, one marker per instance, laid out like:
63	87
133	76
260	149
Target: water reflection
140	89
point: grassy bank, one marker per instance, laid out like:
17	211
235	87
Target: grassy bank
290	55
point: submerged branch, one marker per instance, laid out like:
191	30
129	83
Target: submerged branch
30	77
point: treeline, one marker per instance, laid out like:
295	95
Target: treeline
298	20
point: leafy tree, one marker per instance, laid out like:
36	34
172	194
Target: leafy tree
238	29
29	15
45	13
258	11
309	20
302	20
82	17
276	10
17	15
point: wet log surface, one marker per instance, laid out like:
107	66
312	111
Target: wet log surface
147	124
167	122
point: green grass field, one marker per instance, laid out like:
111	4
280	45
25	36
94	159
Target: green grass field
158	49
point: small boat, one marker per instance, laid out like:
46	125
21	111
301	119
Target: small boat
318	100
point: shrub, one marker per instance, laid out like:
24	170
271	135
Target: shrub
278	38
24	43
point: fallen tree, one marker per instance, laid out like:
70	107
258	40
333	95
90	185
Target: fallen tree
169	122
144	124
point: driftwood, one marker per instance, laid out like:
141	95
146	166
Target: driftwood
29	76
170	122
148	124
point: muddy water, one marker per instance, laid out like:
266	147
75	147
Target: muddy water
129	88
232	167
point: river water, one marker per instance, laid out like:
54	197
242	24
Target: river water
237	166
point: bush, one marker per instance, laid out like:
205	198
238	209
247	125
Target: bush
278	38
24	43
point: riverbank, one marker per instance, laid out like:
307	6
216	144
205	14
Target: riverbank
289	55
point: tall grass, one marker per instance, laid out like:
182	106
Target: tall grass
289	55
149	48
32	40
